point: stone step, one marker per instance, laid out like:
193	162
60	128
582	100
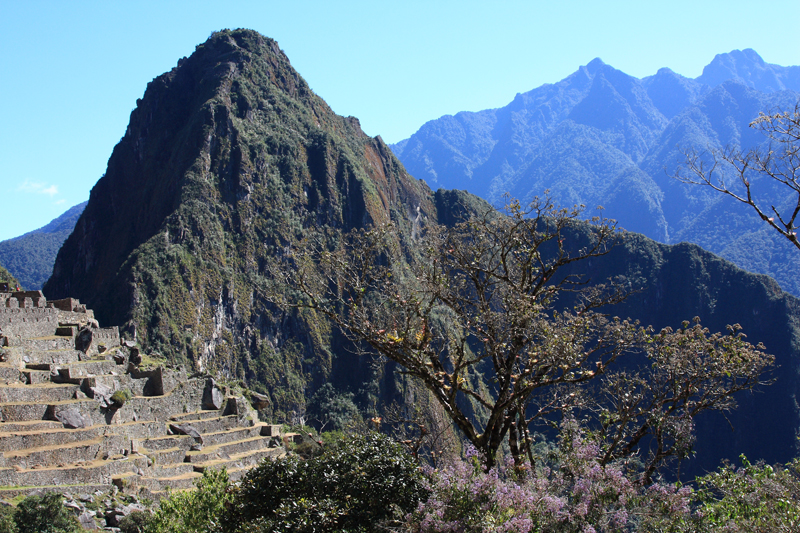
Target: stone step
241	461
9	373
42	359
30	425
195	415
167	455
22	411
92	472
57	454
170	470
44	344
158	484
22	440
35	377
168	441
138	431
211	425
9	493
224	451
19	437
42	393
230	435
77	371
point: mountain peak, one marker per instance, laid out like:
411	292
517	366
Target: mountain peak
226	159
595	65
750	69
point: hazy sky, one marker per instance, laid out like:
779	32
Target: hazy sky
72	70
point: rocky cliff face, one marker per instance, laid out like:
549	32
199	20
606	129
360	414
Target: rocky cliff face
227	159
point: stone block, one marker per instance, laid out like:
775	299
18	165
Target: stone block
271	430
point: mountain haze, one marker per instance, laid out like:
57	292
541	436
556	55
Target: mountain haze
229	158
602	137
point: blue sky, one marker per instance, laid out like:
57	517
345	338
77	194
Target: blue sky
72	71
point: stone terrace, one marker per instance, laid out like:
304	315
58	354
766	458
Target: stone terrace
78	413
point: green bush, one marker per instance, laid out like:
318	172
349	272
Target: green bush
45	514
331	409
121	396
357	484
196	511
136	522
7	524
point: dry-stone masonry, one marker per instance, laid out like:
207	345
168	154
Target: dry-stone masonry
80	414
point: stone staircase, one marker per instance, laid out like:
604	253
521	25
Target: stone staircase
63	428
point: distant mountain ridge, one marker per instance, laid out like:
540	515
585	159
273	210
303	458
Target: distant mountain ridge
30	257
602	137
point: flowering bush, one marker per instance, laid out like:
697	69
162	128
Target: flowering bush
571	493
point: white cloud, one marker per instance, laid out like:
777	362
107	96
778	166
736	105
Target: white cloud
59	202
38	188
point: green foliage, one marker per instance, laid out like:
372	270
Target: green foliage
196	511
357	484
45	514
121	396
7	523
136	522
7	277
330	409
758	497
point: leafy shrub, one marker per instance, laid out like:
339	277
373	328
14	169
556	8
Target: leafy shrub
751	498
136	522
7	524
356	484
195	511
121	396
45	514
332	410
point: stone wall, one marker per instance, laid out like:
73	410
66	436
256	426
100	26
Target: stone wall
108	337
16	323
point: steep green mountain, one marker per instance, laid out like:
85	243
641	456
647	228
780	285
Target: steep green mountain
230	157
31	256
601	137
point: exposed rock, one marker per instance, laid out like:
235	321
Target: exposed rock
86	520
232	406
73	419
83	341
212	396
186	429
135	356
102	393
259	401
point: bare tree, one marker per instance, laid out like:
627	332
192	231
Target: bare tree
780	162
474	318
